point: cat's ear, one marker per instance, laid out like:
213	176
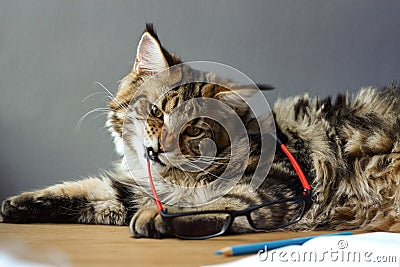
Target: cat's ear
149	56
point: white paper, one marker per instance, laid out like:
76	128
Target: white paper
372	249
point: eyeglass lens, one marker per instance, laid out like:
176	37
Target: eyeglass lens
200	224
277	215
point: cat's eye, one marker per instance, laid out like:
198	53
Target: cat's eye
193	130
156	112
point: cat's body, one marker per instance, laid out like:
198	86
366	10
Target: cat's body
349	150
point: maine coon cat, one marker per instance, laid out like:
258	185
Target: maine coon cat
349	149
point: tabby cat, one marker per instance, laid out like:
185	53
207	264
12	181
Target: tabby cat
348	148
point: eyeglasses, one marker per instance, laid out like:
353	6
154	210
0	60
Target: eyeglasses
210	223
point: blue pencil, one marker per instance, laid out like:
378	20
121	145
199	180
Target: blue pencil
254	248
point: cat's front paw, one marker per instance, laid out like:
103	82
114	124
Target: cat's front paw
17	209
147	222
32	207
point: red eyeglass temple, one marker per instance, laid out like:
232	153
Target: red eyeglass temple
293	161
153	189
297	168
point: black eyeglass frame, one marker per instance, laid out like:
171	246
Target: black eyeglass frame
305	197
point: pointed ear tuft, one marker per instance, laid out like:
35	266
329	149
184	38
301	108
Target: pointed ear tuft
265	87
149	56
150	29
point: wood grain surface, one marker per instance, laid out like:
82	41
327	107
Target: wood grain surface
98	245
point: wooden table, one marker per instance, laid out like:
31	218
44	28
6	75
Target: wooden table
98	245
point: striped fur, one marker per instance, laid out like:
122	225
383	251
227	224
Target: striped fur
348	148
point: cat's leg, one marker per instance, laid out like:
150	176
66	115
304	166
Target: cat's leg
90	200
395	227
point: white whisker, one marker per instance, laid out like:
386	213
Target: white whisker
95	93
105	88
79	123
200	169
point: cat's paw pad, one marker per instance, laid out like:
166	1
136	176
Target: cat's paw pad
147	222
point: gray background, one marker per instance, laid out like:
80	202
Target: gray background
53	52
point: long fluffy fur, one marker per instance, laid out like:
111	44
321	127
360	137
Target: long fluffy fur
353	150
347	147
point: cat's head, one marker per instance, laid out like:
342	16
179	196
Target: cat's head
146	116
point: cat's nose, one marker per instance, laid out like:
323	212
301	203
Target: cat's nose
162	148
166	141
